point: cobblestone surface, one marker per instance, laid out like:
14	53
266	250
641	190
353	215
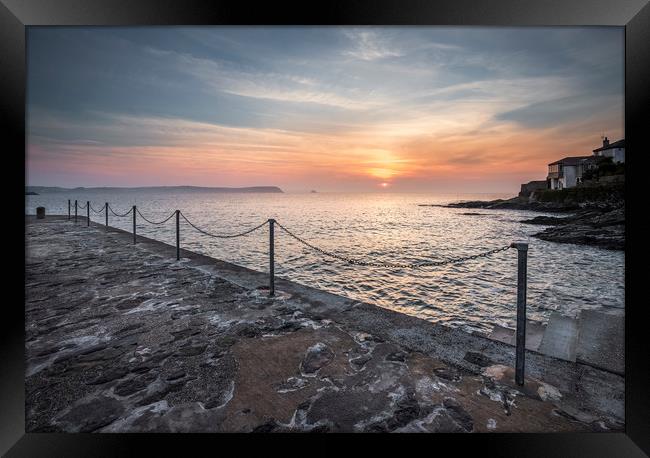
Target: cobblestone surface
127	339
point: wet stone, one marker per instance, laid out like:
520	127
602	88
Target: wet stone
128	387
443	422
250	331
317	356
218	400
266	427
158	392
459	414
176	375
448	373
142	368
478	359
292	384
91	414
131	327
108	376
129	304
183	333
191	350
398	356
360	361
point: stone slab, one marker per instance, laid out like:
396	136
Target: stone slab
560	337
601	340
534	334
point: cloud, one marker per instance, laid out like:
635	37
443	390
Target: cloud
369	45
309	105
222	77
549	113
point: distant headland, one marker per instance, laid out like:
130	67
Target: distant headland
250	189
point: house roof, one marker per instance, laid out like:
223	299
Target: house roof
618	144
572	160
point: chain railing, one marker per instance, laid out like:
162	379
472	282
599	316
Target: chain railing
119	215
413	265
522	249
154	222
224	236
97	211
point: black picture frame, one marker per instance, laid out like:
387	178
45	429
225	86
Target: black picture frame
634	15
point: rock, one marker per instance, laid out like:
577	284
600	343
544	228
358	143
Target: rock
398	356
108	376
191	350
459	414
142	368
407	411
447	373
128	387
444	422
292	384
266	427
180	373
250	331
317	356
478	359
360	361
603	229
90	414
545	220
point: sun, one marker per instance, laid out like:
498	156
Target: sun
383	185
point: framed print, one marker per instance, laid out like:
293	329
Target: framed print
353	220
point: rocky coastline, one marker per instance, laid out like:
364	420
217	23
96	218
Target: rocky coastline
596	216
605	229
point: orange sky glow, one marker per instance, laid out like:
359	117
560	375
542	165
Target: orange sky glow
393	121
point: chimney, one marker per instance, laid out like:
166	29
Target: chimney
605	142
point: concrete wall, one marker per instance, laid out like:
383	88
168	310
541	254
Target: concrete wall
528	188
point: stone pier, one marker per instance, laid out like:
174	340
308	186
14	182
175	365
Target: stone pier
124	338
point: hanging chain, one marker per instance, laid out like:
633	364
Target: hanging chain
153	222
388	264
91	207
358	262
119	216
229	236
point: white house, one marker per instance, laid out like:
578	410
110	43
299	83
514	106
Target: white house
614	150
567	172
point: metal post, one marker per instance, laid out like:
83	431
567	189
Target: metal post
178	235
106	211
271	259
75	210
68	209
522	273
88	213
134	224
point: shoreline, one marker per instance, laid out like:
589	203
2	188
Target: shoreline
598	223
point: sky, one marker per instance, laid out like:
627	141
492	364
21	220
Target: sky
349	109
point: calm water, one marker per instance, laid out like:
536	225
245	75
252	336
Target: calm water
382	227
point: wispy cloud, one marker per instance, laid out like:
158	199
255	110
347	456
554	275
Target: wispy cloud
221	77
370	45
341	108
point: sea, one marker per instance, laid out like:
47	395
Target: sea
382	227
